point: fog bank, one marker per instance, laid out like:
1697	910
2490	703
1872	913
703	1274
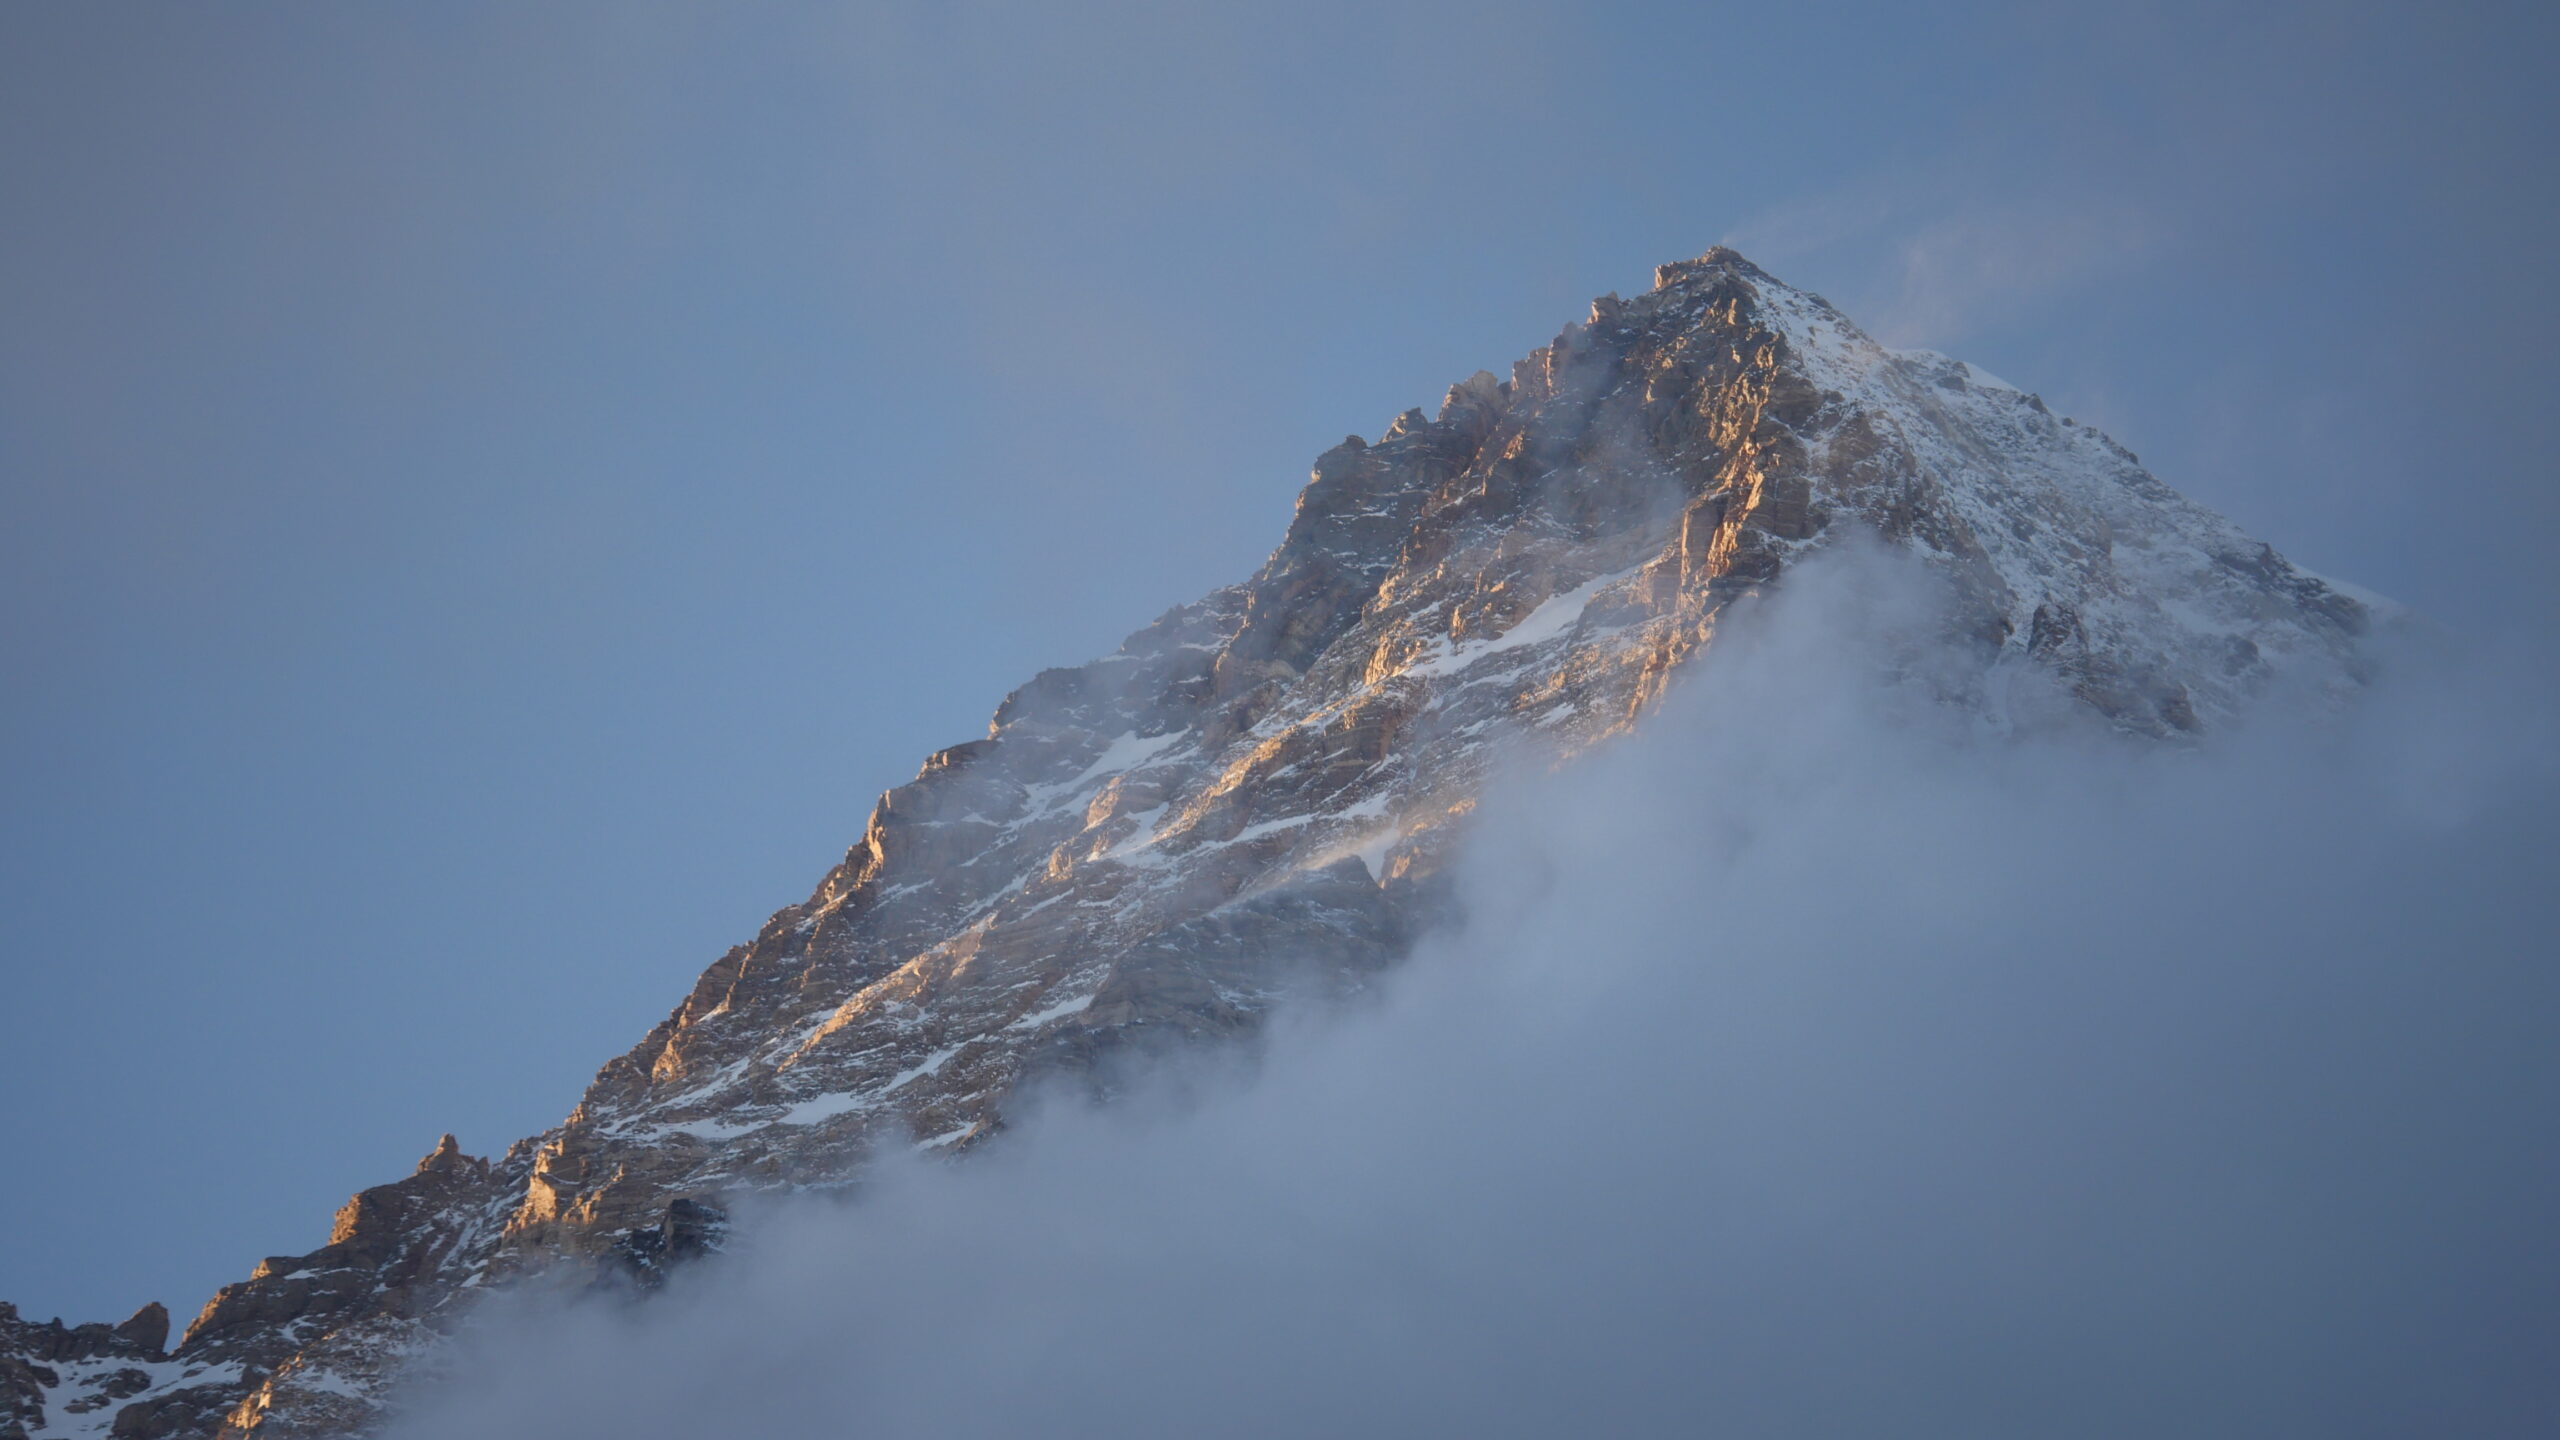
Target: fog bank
1820	1062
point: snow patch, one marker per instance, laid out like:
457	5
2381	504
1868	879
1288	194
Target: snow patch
1126	753
1551	620
823	1107
932	1065
1059	1011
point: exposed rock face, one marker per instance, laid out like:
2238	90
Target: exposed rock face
642	1258
302	1342
79	1375
1259	790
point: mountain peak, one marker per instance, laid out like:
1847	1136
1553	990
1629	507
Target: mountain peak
446	1155
1140	847
1718	260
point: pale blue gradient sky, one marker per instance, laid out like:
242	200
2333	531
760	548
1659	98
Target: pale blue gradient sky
488	497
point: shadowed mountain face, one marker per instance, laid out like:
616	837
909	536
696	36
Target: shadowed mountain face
1258	792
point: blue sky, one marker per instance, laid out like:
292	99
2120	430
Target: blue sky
489	495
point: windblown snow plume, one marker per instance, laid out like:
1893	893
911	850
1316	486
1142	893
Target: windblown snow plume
1825	1059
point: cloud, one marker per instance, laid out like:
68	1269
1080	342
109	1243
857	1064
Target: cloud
1958	245
1823	1061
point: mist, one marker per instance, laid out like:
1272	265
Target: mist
1824	1060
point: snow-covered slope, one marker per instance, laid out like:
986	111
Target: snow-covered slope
1261	789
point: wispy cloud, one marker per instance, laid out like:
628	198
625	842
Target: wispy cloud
1951	255
1809	1066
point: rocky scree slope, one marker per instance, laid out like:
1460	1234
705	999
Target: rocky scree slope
1258	791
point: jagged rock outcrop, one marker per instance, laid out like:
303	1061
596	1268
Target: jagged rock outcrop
644	1258
1260	790
53	1372
303	1342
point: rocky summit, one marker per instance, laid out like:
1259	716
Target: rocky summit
1260	791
